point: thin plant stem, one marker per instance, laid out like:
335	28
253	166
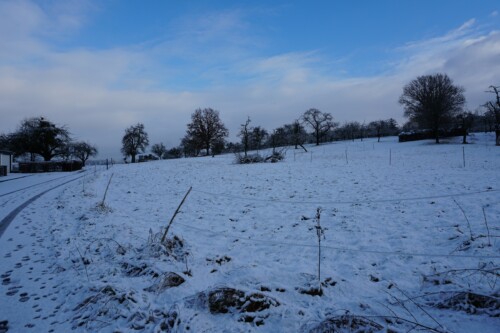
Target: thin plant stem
175	214
468	222
487	228
106	192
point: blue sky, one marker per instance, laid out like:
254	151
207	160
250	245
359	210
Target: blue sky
101	66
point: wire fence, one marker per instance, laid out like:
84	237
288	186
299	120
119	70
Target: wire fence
270	242
337	249
348	202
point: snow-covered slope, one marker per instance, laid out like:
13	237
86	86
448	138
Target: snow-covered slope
410	238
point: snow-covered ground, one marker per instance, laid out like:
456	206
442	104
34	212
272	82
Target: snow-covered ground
411	238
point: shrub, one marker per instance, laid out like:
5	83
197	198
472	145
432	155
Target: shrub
275	156
250	158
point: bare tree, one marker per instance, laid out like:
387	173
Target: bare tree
298	134
206	128
83	151
278	138
378	127
432	101
352	130
159	150
320	122
258	136
175	152
245	133
465	121
494	111
134	141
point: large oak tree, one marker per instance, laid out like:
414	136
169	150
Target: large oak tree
39	136
134	141
432	101
320	122
206	129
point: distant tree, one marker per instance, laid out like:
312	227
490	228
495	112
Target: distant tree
134	141
488	119
190	146
378	127
175	152
4	141
353	130
258	136
320	122
82	151
206	128
278	138
24	139
465	121
218	146
432	101
52	139
392	127
363	128
245	134
409	126
234	147
159	150
297	134
493	112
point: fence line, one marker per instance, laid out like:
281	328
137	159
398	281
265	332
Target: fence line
344	202
338	249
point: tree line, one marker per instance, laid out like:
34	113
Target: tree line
431	102
38	137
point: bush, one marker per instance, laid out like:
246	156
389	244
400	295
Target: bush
250	158
276	156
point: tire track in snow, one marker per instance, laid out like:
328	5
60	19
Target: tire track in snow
27	187
4	223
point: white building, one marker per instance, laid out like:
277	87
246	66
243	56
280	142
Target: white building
5	162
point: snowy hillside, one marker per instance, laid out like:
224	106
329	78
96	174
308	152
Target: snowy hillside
411	239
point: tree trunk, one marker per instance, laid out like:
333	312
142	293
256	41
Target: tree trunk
317	138
208	149
497	133
436	133
133	158
464	140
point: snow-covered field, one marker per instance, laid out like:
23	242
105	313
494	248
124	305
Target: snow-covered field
411	239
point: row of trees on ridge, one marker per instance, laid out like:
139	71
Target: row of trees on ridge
431	102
